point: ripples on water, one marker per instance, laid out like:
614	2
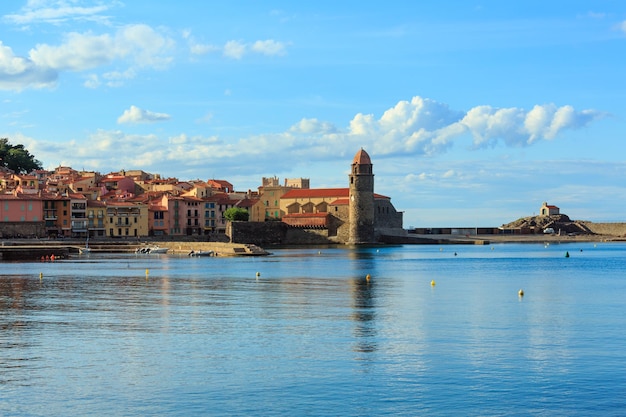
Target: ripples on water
172	335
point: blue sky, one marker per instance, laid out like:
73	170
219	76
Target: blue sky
474	112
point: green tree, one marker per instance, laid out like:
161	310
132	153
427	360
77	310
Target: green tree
17	158
236	214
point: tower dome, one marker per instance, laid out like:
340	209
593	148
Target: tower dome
362	158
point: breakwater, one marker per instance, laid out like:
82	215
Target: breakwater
33	249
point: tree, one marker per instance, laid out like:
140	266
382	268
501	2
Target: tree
17	158
236	214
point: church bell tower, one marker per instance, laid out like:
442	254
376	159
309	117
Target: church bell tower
361	199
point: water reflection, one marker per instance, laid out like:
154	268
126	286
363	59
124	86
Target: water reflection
364	314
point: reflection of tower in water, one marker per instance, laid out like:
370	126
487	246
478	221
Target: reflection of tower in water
364	304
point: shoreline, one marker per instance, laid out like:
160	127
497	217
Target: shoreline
527	238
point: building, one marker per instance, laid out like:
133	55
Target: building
355	214
547	210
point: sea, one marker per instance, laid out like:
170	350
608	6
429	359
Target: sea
416	330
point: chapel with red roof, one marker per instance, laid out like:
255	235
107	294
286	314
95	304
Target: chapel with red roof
353	215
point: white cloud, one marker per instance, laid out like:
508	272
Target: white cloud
269	47
623	26
517	127
234	49
449	174
403	132
313	126
136	115
80	51
137	46
92	81
117	78
57	11
17	73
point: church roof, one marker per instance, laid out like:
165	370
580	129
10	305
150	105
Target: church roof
337	193
362	158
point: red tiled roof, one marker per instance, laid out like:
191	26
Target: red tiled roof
362	158
337	193
317	193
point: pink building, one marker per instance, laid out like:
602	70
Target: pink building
21	208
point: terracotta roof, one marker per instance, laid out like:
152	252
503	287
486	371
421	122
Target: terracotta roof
341	202
317	193
362	158
337	193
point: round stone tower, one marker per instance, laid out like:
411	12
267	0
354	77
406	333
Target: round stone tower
361	199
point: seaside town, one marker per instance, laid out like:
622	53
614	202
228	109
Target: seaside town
133	204
67	203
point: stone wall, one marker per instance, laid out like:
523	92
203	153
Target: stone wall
22	229
609	229
258	233
275	233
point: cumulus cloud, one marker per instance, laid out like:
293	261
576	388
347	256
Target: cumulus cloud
140	44
408	129
137	46
17	73
424	126
136	115
518	127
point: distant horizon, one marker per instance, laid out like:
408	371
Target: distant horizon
477	112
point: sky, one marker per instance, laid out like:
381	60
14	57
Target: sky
473	112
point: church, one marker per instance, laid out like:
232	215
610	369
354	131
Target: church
352	215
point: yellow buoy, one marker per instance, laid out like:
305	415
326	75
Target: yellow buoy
432	283
367	277
147	272
258	274
520	293
41	275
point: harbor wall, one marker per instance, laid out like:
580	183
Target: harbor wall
608	229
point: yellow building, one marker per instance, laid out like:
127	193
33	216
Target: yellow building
126	219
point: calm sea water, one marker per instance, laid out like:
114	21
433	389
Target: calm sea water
171	335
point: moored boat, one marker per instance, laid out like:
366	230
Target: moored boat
201	253
151	250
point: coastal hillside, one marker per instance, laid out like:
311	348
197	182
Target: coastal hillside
562	223
538	222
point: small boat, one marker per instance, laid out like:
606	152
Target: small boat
86	249
151	249
201	253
